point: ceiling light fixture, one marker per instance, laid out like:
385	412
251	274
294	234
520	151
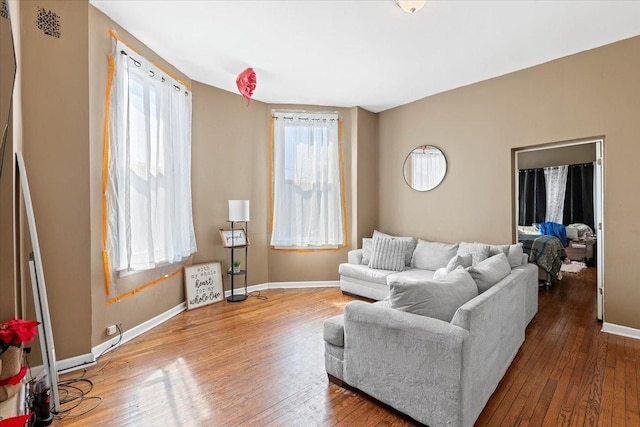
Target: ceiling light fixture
410	6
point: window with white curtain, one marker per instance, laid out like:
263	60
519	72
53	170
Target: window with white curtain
307	209
149	216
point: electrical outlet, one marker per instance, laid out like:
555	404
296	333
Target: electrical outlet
112	330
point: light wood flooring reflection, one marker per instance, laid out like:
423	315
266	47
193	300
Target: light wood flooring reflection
260	363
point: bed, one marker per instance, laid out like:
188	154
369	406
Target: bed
548	252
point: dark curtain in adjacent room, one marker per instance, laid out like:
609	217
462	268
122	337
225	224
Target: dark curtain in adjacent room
578	197
533	199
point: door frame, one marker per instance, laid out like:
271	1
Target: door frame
598	204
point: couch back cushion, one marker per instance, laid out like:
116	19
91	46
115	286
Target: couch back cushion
411	244
388	253
438	299
479	251
490	271
432	255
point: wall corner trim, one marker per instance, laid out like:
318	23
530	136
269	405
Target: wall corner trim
624	331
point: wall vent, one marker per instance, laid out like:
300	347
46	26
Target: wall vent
48	22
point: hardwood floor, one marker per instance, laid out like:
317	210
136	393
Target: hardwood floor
260	363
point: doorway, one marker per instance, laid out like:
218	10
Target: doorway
571	152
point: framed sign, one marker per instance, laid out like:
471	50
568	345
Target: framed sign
232	238
203	284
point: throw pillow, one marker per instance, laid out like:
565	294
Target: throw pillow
440	273
490	271
464	261
388	254
432	255
411	244
367	243
479	251
513	253
435	298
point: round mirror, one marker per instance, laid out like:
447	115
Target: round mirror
425	168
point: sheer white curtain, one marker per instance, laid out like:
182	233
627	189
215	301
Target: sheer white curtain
428	167
307	199
149	213
556	183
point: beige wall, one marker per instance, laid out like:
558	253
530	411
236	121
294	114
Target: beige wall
366	175
589	94
571	155
55	134
8	298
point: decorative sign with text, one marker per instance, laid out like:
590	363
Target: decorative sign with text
203	284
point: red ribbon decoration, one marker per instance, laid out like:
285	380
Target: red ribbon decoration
16	378
246	83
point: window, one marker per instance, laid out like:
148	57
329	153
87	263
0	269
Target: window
148	205
307	209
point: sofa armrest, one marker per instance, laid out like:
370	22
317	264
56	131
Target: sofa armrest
411	362
355	256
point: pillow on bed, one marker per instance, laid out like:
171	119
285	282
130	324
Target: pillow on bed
572	233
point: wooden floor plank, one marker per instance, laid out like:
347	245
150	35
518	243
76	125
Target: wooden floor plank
261	363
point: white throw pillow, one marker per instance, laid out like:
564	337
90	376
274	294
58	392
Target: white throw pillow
440	273
388	254
438	299
490	271
432	255
464	261
367	244
479	251
411	244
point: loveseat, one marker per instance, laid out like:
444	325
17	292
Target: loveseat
439	341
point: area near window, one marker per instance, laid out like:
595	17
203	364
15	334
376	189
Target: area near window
307	209
148	197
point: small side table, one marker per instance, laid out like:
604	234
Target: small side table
243	272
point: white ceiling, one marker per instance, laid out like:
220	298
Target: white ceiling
371	54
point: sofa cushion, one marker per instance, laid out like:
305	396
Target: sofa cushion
367	244
479	251
490	271
437	299
333	330
411	244
432	255
363	272
513	253
459	261
411	275
388	253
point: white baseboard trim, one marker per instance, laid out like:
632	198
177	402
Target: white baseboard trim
624	331
296	285
285	285
130	334
74	363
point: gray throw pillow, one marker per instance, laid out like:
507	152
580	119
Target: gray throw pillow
367	244
479	251
388	254
464	261
513	253
490	271
411	244
438	299
432	255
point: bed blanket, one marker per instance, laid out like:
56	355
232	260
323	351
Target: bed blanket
546	251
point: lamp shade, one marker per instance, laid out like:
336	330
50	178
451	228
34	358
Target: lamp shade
410	6
238	210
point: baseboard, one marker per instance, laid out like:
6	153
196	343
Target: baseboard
297	285
130	334
74	363
624	331
285	285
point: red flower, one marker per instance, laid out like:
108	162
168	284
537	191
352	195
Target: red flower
17	331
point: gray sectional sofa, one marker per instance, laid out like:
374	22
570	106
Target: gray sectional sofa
439	341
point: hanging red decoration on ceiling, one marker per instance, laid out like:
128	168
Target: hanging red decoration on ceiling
246	83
